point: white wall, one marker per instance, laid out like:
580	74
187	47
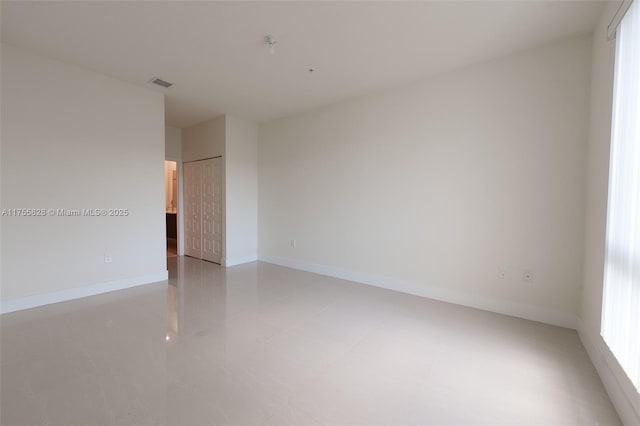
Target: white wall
75	139
204	140
172	143
235	140
241	166
430	188
625	398
201	141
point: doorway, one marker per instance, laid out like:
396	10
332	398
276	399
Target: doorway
171	206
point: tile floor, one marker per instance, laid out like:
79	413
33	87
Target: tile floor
172	247
262	344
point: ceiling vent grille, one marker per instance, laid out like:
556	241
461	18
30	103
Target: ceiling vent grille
160	82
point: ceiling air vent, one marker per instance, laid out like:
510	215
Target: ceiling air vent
160	82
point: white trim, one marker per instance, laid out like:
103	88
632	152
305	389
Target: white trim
27	302
619	388
612	28
499	306
239	260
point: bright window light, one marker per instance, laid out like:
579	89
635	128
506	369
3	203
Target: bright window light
621	299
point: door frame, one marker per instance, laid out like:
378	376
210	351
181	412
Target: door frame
179	221
222	261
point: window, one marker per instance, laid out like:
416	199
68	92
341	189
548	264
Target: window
621	299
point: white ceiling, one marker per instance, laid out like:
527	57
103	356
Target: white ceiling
215	54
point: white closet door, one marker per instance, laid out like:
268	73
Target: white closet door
212	210
193	209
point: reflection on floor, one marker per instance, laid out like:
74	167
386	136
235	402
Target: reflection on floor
262	344
172	247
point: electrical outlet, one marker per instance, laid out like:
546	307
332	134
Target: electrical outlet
293	243
108	258
527	276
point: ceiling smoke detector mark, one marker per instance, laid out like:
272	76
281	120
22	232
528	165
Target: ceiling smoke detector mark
160	82
271	42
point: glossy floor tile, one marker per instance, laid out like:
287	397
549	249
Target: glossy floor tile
261	344
172	247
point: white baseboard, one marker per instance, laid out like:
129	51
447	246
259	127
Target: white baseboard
514	309
232	261
619	388
27	302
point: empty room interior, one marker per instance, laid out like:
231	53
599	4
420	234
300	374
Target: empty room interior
320	212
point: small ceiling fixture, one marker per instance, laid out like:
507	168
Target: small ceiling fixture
271	41
160	82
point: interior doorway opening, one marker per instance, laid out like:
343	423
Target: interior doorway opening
171	206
